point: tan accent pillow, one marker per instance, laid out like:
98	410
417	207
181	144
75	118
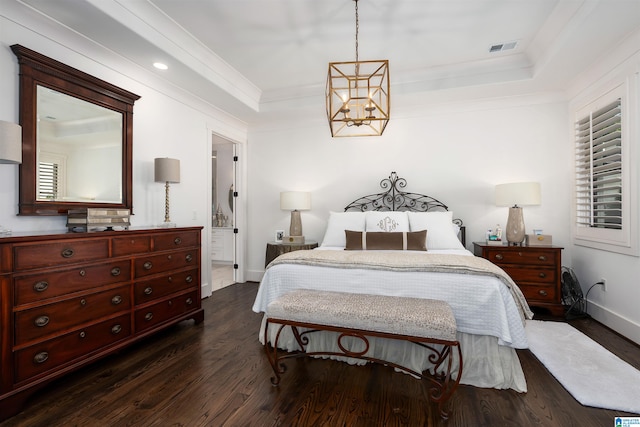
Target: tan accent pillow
374	240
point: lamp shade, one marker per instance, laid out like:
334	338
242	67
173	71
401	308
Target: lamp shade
167	170
10	142
518	193
295	200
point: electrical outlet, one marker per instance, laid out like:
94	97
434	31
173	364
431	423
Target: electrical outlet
603	282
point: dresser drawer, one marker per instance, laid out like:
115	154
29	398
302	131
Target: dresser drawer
39	322
48	355
529	257
130	245
183	239
155	314
148	265
31	256
539	293
38	287
148	290
530	274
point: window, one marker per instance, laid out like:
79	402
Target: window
599	168
47	181
604	199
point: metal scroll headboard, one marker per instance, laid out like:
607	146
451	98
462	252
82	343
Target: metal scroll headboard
395	199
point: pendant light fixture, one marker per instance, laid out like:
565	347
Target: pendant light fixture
358	95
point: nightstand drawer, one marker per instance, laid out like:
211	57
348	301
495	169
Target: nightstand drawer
524	274
529	257
546	293
536	271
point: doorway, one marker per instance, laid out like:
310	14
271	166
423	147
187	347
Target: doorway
223	213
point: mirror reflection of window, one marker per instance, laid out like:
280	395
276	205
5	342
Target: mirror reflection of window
89	139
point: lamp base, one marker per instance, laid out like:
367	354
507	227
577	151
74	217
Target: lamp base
167	225
293	240
515	226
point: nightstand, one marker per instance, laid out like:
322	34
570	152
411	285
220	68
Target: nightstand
535	269
274	249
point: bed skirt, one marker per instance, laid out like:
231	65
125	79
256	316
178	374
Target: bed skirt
486	363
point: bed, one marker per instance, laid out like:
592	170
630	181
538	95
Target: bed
408	244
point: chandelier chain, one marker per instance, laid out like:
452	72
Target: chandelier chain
357	28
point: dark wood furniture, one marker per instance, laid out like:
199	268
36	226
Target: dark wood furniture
70	299
274	249
536	270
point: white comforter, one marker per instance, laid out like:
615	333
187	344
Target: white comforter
487	316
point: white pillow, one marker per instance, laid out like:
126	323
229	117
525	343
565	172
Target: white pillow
340	221
387	221
441	232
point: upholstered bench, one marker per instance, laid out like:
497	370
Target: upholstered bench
425	322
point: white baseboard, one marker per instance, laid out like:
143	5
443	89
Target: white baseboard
620	324
254	275
205	290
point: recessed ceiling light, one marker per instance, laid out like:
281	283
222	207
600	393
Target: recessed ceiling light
160	66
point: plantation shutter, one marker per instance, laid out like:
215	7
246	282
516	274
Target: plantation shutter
48	180
599	168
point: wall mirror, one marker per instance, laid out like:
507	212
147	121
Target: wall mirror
76	138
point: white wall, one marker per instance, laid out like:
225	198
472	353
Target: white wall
167	123
617	307
456	153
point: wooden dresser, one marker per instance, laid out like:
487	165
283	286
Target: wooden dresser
536	270
70	299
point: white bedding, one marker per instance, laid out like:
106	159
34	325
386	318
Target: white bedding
490	326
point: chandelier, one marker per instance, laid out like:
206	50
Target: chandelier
358	95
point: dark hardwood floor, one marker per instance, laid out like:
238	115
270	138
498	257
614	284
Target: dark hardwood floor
216	374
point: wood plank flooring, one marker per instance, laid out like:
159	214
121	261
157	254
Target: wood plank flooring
216	374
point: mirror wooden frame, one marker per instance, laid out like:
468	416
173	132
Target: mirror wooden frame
37	69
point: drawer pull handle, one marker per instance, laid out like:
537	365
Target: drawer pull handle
148	290
170	303
542	275
148	316
116	329
83	273
170	279
40	286
116	300
147	265
189	257
41	357
542	258
189	301
177	240
83	302
67	253
543	293
115	271
499	256
83	334
189	279
41	321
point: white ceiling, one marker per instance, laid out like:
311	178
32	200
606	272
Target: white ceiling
240	53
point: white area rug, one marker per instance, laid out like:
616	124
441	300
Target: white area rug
593	375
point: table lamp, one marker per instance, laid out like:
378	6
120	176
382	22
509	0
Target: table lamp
513	195
295	201
168	171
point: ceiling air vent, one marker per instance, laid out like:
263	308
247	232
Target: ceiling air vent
501	47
